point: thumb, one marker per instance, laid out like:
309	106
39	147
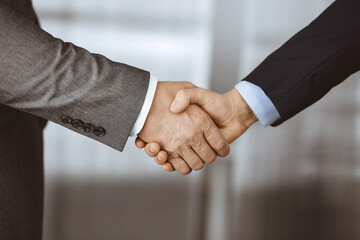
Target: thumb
185	97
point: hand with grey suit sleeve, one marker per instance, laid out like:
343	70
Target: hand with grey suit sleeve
66	84
96	97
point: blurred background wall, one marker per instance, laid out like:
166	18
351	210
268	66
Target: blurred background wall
296	181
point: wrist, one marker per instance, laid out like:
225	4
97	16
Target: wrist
242	113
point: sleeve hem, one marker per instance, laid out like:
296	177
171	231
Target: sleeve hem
259	102
139	124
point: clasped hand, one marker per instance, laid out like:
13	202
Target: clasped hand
187	127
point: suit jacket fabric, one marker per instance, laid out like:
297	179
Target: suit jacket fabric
21	164
61	82
314	61
21	175
46	77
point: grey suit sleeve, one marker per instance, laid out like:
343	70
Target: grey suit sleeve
66	84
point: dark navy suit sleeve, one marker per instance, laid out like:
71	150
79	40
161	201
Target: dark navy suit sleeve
315	60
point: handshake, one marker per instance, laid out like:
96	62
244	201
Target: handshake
188	126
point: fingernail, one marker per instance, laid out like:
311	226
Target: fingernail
160	158
151	150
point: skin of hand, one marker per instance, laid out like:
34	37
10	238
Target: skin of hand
189	137
229	111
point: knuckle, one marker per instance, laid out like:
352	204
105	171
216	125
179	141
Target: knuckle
220	144
190	136
194	110
188	84
174	145
182	93
172	155
204	120
206	126
195	142
200	118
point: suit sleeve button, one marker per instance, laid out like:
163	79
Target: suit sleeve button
77	123
66	119
88	127
99	131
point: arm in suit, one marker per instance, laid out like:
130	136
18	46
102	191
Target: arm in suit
66	84
96	97
300	72
314	61
292	78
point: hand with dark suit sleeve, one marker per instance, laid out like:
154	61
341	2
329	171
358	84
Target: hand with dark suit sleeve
299	73
312	62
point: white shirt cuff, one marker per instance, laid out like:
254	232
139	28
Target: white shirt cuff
139	124
260	104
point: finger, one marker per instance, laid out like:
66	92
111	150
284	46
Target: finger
185	97
161	157
152	149
168	167
204	151
139	143
216	140
192	159
180	165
